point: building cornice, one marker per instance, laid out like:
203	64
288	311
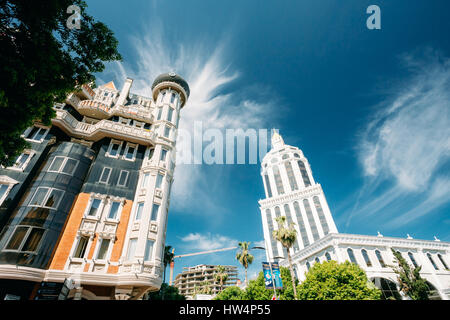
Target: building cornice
292	196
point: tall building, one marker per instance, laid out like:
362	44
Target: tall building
291	191
88	202
196	279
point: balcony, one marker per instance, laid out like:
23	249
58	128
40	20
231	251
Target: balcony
104	128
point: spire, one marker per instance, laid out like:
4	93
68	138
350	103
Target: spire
277	140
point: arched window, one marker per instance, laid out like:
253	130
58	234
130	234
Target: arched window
308	266
284	156
311	221
380	258
317	260
291	176
441	258
328	256
411	256
301	224
432	261
351	256
269	190
278	181
288	213
323	220
366	257
304	173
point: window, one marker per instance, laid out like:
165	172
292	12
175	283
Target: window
159	113
145	180
37	134
291	176
46	198
170	115
69	166
139	209
3	192
114	210
166	132
159	180
131	248
270	227
130	152
380	258
114	149
301	224
328	256
155	210
104	177
432	261
163	95
23	160
269	191
150	154
172	97
148	249
366	257
163	155
413	260
323	220
278	181
351	256
317	260
290	221
308	266
441	258
95	205
80	250
311	220
304	173
64	165
25	239
123	178
103	250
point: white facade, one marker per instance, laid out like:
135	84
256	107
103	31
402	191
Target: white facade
291	191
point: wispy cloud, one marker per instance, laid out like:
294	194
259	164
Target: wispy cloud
406	145
207	66
208	241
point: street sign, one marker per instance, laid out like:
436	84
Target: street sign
272	271
53	290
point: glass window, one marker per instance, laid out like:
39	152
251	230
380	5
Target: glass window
270	227
114	210
39	196
413	260
269	190
366	257
290	221
17	238
323	220
3	189
114	151
328	256
351	256
53	199
304	173
148	249
56	164
291	176
155	209
278	181
131	248
380	258
163	95
432	261
81	247
103	251
33	240
163	155
22	160
172	98
145	180
301	224
150	154
317	260
308	265
159	113
159	180
104	177
36	134
69	167
170	115
441	258
123	178
139	209
166	132
311	220
130	152
95	204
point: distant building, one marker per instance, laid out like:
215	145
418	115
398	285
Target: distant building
291	191
89	200
196	279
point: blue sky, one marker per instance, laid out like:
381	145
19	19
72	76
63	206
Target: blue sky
369	108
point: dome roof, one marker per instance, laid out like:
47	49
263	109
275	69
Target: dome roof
172	77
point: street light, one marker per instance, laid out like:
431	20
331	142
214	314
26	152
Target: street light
271	271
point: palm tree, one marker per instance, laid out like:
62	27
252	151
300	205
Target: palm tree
244	257
221	276
287	236
168	258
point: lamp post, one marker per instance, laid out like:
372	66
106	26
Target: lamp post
271	271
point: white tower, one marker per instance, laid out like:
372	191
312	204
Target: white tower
292	192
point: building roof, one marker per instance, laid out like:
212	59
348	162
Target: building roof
172	77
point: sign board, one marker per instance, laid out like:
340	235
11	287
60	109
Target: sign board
272	273
11	297
53	290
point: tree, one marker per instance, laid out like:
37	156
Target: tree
205	287
287	236
231	293
411	283
165	293
42	61
244	257
330	280
256	289
221	276
167	259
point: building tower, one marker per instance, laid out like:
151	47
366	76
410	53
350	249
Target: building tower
88	202
291	191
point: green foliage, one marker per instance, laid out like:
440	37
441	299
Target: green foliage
42	60
167	259
411	283
256	289
231	293
221	276
244	257
165	293
337	281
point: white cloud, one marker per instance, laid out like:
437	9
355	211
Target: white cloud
208	241
407	143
